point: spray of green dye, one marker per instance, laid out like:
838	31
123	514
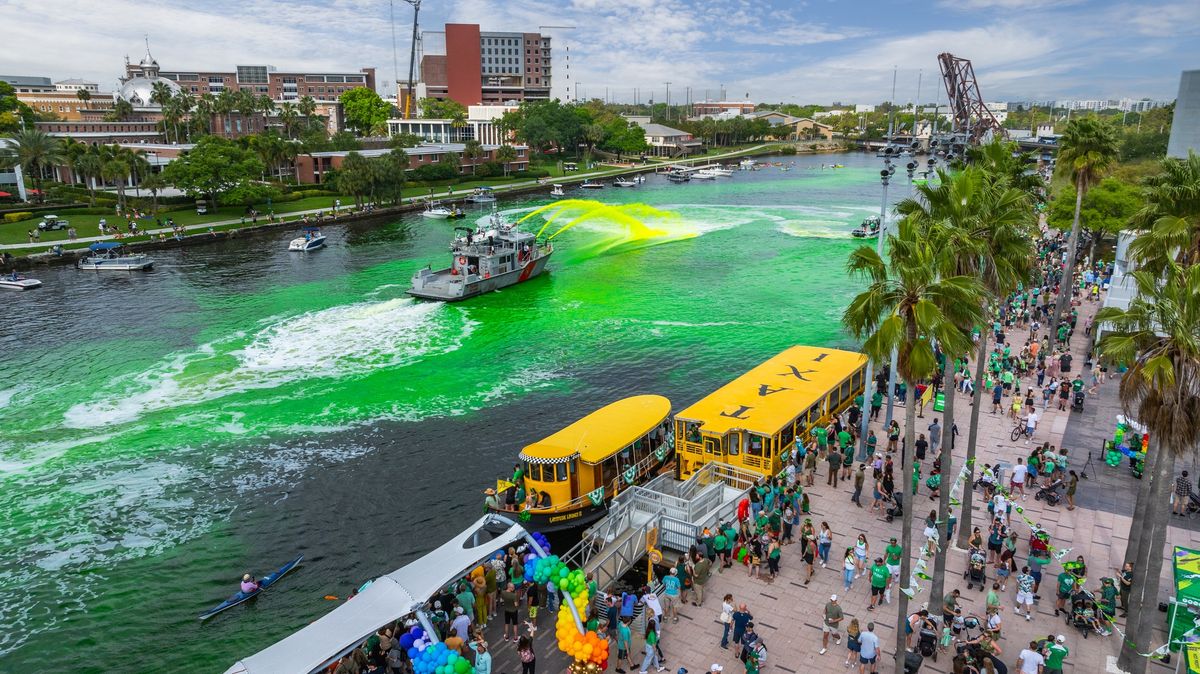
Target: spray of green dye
631	216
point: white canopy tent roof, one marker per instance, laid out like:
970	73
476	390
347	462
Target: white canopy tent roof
389	598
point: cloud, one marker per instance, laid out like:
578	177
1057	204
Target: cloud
973	5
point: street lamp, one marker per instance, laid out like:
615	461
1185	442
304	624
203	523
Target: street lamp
885	175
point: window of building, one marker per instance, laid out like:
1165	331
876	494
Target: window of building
252	74
212	79
289	80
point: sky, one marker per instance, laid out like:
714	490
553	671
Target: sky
799	51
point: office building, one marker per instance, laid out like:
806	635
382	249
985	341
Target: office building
488	68
481	126
24	84
1185	125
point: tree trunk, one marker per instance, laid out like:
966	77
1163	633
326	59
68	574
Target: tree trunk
1135	549
1143	599
906	473
964	526
868	388
1068	275
948	479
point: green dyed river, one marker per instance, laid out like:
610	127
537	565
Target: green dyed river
163	433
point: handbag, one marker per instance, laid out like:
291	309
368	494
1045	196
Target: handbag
725	617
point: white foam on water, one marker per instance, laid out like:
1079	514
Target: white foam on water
17	460
343	341
7	395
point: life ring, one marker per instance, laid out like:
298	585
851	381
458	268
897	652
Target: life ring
462	260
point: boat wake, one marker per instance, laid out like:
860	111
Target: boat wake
339	342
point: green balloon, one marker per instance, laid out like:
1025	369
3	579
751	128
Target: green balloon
461	666
562	584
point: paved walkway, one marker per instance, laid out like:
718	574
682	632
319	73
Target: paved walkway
295	215
788	613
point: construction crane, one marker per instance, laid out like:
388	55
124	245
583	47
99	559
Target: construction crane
406	106
970	115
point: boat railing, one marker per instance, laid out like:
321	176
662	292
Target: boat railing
612	487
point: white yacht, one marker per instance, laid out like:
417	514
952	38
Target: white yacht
625	182
721	171
435	209
589	185
312	240
482	195
704	174
746	164
557	191
110	255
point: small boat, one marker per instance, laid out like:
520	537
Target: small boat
557	190
625	182
110	255
482	195
704	174
746	164
589	185
435	210
836	166
240	597
721	171
456	213
15	281
494	255
678	176
312	240
868	228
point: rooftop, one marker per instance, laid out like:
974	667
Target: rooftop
430	148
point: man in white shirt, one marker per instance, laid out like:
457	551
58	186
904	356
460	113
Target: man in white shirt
1030	424
1018	478
1030	661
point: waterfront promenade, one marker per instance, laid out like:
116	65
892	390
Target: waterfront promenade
787	613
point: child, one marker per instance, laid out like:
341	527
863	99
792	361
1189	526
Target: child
947	639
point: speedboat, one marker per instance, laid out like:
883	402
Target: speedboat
15	281
557	190
312	240
746	164
435	209
482	195
110	255
868	228
704	174
589	185
721	171
625	182
678	176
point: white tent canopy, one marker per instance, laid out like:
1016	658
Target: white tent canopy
388	599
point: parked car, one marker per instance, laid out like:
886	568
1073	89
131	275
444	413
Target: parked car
52	222
201	207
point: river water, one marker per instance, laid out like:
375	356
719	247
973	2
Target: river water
163	433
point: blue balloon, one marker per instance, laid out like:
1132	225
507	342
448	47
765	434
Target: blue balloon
406	641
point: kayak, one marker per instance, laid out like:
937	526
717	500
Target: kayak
239	597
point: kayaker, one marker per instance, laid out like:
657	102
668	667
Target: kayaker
249	584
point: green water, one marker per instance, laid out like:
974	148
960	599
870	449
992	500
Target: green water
163	433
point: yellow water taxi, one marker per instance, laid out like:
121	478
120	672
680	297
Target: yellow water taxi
567	479
753	421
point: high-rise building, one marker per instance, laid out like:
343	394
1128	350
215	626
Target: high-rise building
488	68
1185	126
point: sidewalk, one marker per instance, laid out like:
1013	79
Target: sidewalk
407	200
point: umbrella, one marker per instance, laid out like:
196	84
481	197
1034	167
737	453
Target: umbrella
4	194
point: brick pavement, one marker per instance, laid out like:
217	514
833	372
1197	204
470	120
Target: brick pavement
788	613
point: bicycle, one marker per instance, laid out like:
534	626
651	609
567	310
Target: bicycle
1020	430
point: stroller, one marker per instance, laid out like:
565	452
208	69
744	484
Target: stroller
897	508
1049	493
927	640
1077	401
1083	612
976	572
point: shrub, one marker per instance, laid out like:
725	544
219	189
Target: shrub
18	216
787	149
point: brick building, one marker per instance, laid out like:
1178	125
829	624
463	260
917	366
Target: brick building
488	68
311	168
263	79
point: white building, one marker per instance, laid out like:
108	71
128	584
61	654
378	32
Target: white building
481	126
863	107
11	180
77	85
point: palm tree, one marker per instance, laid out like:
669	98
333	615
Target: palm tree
906	307
505	154
1087	150
983	229
458	122
206	105
83	95
1156	338
154	182
226	102
72	151
288	116
307	107
89	167
122	110
1170	220
473	151
34	151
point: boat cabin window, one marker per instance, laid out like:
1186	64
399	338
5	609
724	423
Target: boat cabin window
692	433
712	445
560	472
757	447
846	390
788	434
814	414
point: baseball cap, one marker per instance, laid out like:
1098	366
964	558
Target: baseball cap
833	597
1060	638
716	667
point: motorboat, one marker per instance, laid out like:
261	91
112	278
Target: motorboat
589	185
312	240
435	210
721	171
868	228
625	182
495	254
704	174
678	176
556	190
15	281
746	164
482	195
110	255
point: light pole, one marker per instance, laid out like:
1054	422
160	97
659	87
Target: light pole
869	385
668	101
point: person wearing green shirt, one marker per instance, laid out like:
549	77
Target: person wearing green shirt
844	438
876	404
993	599
1055	654
858	401
879	582
1066	587
821	435
872	442
1006	378
891	556
721	545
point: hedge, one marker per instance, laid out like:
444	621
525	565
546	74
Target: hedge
17	217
